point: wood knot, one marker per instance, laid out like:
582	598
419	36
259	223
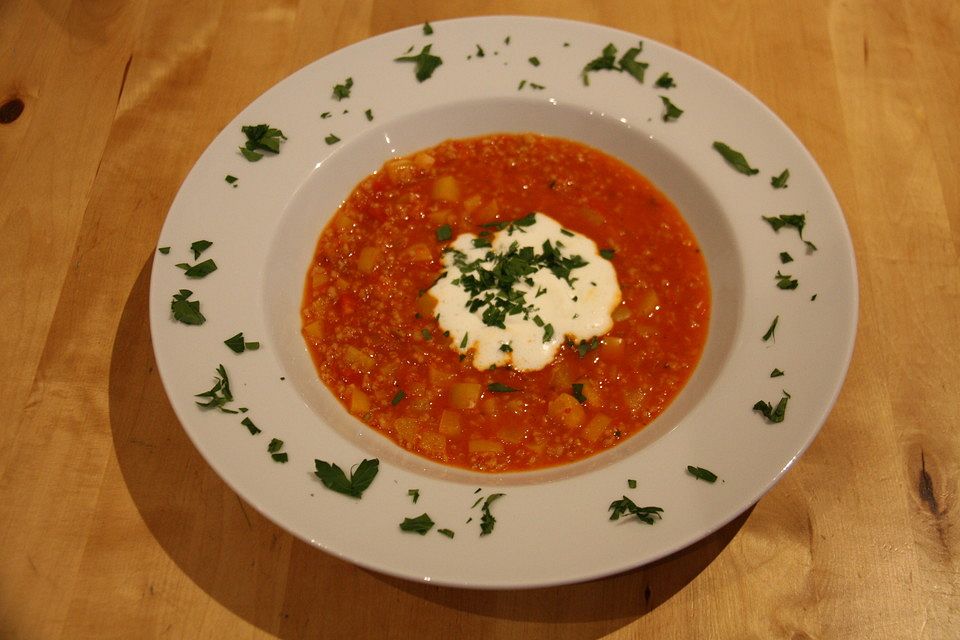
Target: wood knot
11	110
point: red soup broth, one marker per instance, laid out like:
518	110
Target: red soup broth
378	347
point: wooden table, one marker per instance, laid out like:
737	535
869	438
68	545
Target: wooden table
111	524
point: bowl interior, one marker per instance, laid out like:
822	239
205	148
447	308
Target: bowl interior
313	204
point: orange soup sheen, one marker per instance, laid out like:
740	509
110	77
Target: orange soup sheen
377	345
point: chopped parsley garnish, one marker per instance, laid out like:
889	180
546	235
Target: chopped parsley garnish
444	233
252	428
547	332
421	524
398	397
260	137
665	81
487	521
368	114
415	494
607	61
795	220
342	91
771	331
625	506
534	60
785	257
238	345
586	346
671	111
702	474
506	348
274	450
185	310
425	63
631	483
446	532
164	250
427	29
219	395
426	334
773	413
231	179
785	281
780	181
629	63
576	390
735	159
331	139
607	253
325	115
335	479
776	373
464	342
199	270
480	52
499	387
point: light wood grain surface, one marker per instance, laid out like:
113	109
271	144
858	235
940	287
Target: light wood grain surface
111	525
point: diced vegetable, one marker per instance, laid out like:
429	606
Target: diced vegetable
649	302
449	423
446	188
596	427
401	171
612	349
359	401
313	330
368	259
566	410
482	445
358	360
406	430
419	253
464	395
433	444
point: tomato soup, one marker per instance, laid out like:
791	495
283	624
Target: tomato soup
370	307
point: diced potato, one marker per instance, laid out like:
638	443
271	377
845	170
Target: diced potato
592	216
401	171
418	252
426	305
591	393
595	427
423	161
441	216
446	188
566	410
612	349
438	377
489	407
358	360
368	259
344	219
482	445
471	203
561	377
318	277
464	395
433	444
648	303
449	423
622	312
406	429
313	331
487	213
512	434
359	401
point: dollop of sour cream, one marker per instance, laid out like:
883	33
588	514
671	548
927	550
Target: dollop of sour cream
514	294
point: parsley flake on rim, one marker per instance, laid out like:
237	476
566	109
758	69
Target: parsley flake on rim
260	137
625	506
421	524
702	474
219	395
199	270
238	345
735	159
425	63
342	91
185	310
333	477
773	414
274	449
487	521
